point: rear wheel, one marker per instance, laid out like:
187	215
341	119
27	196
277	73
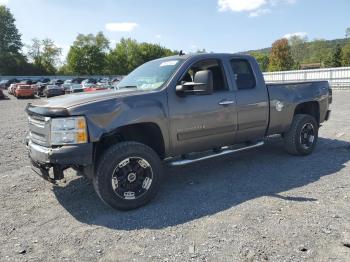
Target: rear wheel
128	175
302	137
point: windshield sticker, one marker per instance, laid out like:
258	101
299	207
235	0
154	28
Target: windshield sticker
169	63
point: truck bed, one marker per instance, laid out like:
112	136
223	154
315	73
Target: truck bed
285	96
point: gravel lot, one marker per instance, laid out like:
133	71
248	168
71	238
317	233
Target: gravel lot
261	205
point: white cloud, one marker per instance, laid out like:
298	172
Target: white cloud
299	34
240	5
259	12
120	27
4	2
158	36
254	7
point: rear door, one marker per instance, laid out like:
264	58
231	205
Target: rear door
200	122
252	99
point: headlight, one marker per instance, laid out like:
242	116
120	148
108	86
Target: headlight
70	130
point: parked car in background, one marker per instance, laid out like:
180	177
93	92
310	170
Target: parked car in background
67	84
53	90
43	80
74	88
88	82
95	88
4	84
12	88
24	91
2	96
26	82
116	80
78	80
57	82
104	82
39	88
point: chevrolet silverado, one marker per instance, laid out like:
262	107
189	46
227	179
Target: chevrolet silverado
175	110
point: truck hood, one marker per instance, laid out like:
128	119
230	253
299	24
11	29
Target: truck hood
61	104
76	99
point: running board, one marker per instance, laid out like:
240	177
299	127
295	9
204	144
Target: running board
183	162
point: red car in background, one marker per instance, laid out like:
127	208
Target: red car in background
94	88
24	91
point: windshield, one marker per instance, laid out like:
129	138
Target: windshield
151	75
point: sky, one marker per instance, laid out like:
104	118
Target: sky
189	25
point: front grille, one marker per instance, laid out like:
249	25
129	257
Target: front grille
39	129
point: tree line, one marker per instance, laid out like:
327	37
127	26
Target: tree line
297	53
88	55
93	55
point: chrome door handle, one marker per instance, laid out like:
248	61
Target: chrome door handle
226	102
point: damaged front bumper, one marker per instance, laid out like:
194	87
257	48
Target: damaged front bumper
58	158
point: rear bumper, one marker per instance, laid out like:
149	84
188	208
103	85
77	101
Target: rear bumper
24	94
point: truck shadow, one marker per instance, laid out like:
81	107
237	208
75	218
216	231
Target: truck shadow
209	187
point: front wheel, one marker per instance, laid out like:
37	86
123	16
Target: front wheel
302	137
128	175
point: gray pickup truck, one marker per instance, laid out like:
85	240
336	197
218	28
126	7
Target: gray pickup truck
175	110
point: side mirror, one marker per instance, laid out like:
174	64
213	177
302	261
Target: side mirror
202	84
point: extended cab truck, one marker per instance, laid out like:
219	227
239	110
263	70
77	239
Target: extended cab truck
166	110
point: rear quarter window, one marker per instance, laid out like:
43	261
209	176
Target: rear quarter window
243	74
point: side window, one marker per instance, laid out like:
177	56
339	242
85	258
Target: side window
244	75
214	65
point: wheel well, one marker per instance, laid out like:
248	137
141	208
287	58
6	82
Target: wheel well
309	108
145	133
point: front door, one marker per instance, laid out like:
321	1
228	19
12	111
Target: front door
200	122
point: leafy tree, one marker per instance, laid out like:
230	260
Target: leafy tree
319	51
45	55
346	55
129	54
281	56
347	32
64	70
99	40
262	59
87	55
298	49
11	60
335	58
10	39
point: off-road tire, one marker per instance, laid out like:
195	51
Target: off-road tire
292	138
109	162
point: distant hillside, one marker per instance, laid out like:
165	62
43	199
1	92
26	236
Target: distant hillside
306	55
328	44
